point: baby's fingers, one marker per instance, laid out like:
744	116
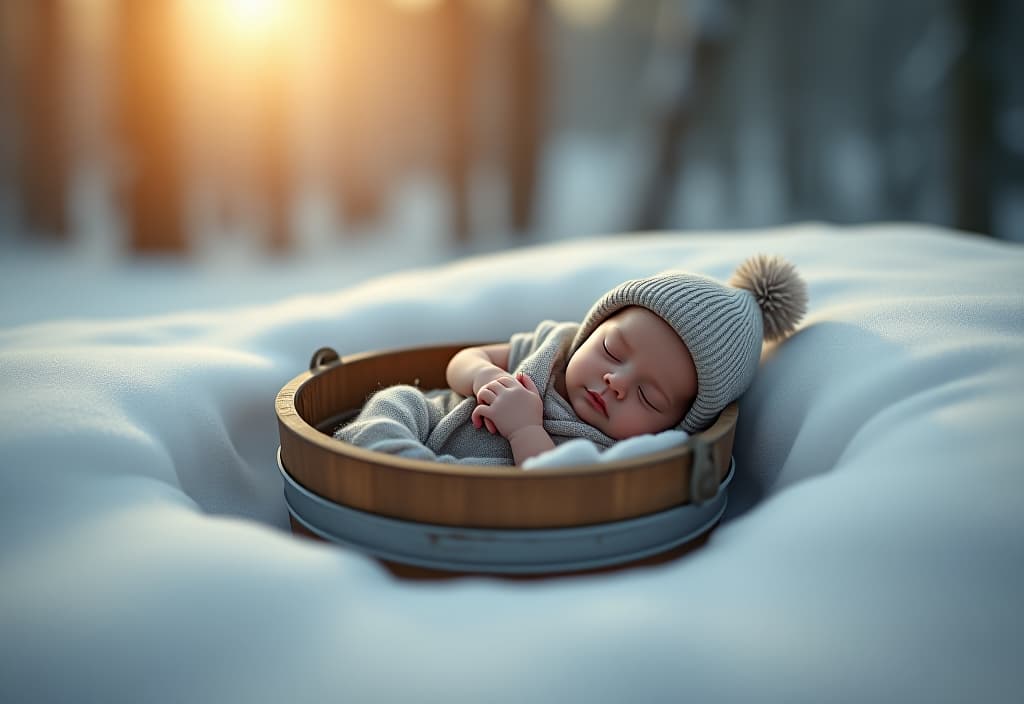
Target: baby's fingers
498	385
486	395
527	381
480	418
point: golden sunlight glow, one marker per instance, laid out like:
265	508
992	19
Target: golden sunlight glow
416	5
239	54
241	30
256	16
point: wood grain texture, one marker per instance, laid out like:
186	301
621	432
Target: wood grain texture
464	495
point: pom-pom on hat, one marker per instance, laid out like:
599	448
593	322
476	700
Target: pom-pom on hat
722	325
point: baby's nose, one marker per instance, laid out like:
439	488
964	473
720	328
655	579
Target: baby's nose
615	384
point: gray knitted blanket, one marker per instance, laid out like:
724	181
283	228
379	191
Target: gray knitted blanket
435	425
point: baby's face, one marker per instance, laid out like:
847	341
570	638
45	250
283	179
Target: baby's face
633	375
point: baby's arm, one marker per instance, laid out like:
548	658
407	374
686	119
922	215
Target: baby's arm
515	409
474	367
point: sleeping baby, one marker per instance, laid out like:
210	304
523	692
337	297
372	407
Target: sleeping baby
665	352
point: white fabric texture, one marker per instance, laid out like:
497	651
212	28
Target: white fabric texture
583	451
873	548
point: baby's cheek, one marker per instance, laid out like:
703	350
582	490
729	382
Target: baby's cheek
638	423
621	428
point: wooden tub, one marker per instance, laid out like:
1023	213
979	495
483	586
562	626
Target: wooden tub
472	506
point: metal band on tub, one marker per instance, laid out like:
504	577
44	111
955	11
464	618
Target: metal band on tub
505	551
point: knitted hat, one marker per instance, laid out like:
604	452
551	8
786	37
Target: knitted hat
721	325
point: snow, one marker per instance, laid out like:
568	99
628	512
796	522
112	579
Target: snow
873	548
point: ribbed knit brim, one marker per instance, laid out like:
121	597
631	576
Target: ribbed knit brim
720	325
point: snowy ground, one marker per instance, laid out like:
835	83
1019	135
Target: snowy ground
871	552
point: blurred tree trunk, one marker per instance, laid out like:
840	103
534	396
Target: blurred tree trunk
698	55
974	122
149	123
524	135
274	146
277	174
356	107
43	119
454	22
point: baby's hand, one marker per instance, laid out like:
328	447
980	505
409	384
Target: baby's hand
507	405
485	375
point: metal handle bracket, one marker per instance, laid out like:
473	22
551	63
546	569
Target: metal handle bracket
703	477
323	357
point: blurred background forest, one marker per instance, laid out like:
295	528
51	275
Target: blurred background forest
412	131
